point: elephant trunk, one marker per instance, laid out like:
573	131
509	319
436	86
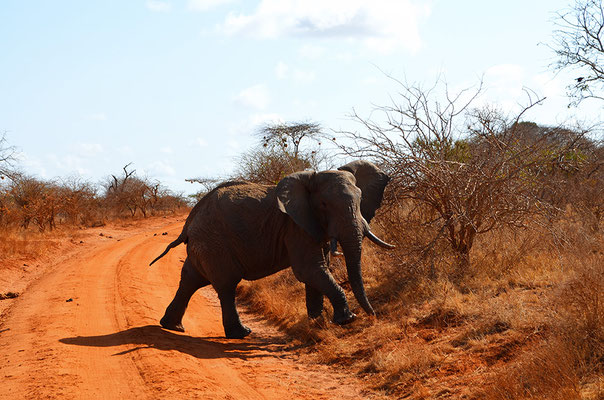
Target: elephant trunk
352	255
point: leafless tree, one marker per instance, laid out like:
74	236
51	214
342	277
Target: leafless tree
122	192
118	184
138	195
34	202
465	165
579	46
7	157
79	202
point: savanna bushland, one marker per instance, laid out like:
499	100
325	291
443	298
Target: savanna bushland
36	213
496	287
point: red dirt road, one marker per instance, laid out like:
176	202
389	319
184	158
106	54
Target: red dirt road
106	342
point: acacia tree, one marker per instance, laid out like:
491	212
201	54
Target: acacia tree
284	148
579	46
466	166
287	137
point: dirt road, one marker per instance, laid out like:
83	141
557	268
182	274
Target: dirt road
87	329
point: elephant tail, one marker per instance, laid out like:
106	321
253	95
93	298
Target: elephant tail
182	238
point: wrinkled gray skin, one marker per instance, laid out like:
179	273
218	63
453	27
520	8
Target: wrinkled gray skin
248	231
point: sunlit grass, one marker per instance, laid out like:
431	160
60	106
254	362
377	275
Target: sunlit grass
526	322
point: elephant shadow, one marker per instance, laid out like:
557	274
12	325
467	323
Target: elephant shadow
154	337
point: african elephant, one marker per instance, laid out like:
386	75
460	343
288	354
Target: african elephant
243	230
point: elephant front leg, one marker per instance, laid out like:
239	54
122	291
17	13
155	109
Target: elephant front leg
314	302
190	281
320	280
233	328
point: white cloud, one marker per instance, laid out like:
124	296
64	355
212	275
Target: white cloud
167	150
311	52
256	97
88	149
158	6
205	5
240	130
381	25
505	72
33	164
260	119
69	163
303	76
370	80
505	85
281	70
201	142
99	116
125	150
305	104
161	168
233	144
550	85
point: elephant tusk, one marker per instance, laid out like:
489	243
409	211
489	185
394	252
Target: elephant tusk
334	248
376	239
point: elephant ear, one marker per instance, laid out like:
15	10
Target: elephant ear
293	199
372	181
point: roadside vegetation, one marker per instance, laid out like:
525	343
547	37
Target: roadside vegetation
496	287
34	211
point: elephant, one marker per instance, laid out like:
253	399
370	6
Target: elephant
243	230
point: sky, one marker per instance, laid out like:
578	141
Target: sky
178	87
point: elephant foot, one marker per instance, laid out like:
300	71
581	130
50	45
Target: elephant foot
238	332
172	326
344	318
315	314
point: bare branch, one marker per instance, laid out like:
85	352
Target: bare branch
578	45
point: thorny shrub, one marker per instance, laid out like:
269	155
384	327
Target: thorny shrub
523	318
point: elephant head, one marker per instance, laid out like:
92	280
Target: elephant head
336	206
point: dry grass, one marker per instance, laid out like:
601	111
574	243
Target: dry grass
526	322
569	362
25	243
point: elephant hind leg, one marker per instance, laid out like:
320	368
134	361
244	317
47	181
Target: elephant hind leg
190	281
233	328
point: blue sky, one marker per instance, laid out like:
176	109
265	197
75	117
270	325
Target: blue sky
178	86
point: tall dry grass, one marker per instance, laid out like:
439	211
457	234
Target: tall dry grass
25	244
526	321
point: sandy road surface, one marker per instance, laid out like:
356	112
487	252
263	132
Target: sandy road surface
106	343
